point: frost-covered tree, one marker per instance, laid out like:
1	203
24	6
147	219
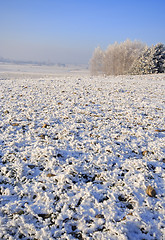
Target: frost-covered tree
96	62
159	58
111	59
151	60
131	51
143	64
117	59
121	56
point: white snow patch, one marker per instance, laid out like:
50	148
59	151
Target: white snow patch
77	154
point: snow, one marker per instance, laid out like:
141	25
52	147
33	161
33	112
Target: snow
77	154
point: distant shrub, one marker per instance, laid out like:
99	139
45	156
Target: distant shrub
128	58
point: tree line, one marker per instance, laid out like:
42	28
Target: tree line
129	57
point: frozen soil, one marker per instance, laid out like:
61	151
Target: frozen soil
77	155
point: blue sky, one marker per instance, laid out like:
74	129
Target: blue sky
68	31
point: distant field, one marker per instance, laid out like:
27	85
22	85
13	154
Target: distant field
77	154
32	69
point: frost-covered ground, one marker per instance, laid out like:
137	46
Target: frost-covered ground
77	154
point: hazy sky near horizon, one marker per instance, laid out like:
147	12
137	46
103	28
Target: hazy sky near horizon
68	31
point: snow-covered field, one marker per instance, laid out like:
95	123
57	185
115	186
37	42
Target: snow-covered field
77	154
